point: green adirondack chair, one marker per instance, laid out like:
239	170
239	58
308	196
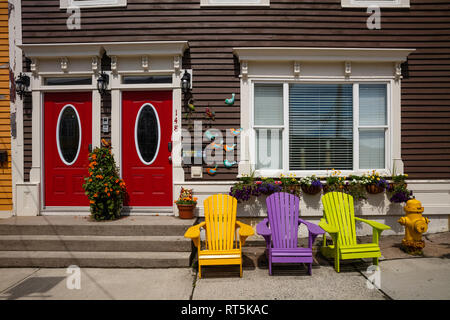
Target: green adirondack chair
339	222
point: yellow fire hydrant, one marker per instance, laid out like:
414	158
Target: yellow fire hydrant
415	225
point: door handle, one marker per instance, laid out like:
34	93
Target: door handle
170	158
169	146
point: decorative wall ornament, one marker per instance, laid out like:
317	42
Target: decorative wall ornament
235	132
229	164
228	148
348	68
216	145
34	66
296	68
114	64
176	63
144	63
398	70
211	171
94	64
210	115
244	69
230	101
64	64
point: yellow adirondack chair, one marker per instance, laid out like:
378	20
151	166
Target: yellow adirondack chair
339	222
221	246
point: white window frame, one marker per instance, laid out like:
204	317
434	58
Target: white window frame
356	127
234	3
64	4
381	4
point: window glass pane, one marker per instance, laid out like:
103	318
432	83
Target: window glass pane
372	104
146	79
69	134
147	134
269	149
72	81
320	126
371	149
268	104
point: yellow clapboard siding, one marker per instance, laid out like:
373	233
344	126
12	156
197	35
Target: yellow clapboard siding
4	183
5	195
5	207
5	201
6	189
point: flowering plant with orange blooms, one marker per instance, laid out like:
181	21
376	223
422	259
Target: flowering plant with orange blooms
186	197
104	187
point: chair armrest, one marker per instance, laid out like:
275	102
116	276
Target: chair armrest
262	228
374	224
313	228
245	231
325	226
194	233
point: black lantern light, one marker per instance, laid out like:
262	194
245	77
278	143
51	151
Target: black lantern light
22	84
186	82
102	83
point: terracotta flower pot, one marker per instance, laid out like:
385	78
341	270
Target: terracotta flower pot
311	189
186	211
374	189
295	188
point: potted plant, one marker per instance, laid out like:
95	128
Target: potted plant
398	191
311	185
355	188
267	186
334	182
290	184
186	204
104	188
374	183
243	189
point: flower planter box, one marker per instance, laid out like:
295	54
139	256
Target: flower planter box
374	189
186	211
311	189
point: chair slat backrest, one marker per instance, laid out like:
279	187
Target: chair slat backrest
283	212
339	212
220	218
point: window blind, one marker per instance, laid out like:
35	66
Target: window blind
372	105
268	104
320	126
373	113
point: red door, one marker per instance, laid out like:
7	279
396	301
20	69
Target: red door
67	136
146	135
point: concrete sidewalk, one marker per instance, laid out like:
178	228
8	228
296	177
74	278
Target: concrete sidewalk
401	277
415	278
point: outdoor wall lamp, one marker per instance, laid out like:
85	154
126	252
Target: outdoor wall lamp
186	82
102	83
186	87
22	84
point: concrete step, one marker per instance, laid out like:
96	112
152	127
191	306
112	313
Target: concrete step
95	243
83	226
63	259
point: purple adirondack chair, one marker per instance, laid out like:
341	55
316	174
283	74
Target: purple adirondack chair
280	230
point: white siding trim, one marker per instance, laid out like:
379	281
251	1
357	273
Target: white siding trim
381	4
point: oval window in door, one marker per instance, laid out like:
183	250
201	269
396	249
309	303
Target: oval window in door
68	134
147	134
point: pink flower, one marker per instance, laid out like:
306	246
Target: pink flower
258	182
277	182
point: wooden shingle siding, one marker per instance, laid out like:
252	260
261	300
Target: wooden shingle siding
5	128
213	32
